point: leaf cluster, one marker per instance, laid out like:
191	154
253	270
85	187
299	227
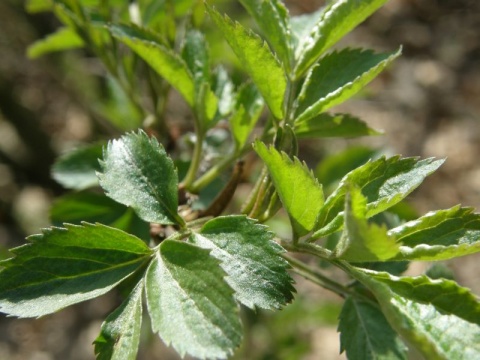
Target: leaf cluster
156	228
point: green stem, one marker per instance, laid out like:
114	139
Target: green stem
311	249
194	164
212	173
318	278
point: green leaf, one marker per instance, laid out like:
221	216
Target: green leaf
335	166
337	77
337	20
161	58
137	172
257	60
120	333
333	125
365	334
74	208
446	295
63	39
361	241
65	266
36	6
224	90
435	335
77	168
302	26
299	190
439	235
251	259
248	108
196	55
384	182
273	19
189	302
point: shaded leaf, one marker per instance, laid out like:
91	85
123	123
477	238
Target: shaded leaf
384	182
446	295
120	333
257	60
161	58
299	190
333	125
248	108
440	235
137	172
361	241
190	304
251	259
77	168
335	166
435	335
35	6
75	208
273	19
365	334
65	266
63	39
337	20
337	77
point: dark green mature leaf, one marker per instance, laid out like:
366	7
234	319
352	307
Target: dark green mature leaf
162	59
439	235
65	266
337	20
189	302
435	335
120	334
361	241
446	295
63	39
384	182
251	259
337	77
333	125
365	334
273	19
299	190
77	168
137	172
257	60
248	108
75	208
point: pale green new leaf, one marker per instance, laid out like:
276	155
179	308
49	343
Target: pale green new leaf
361	241
435	335
446	295
333	125
65	266
251	259
384	182
35	6
189	302
76	169
273	19
337	20
365	333
120	333
439	235
64	38
299	190
257	60
224	90
301	27
337	77
161	58
137	172
248	108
